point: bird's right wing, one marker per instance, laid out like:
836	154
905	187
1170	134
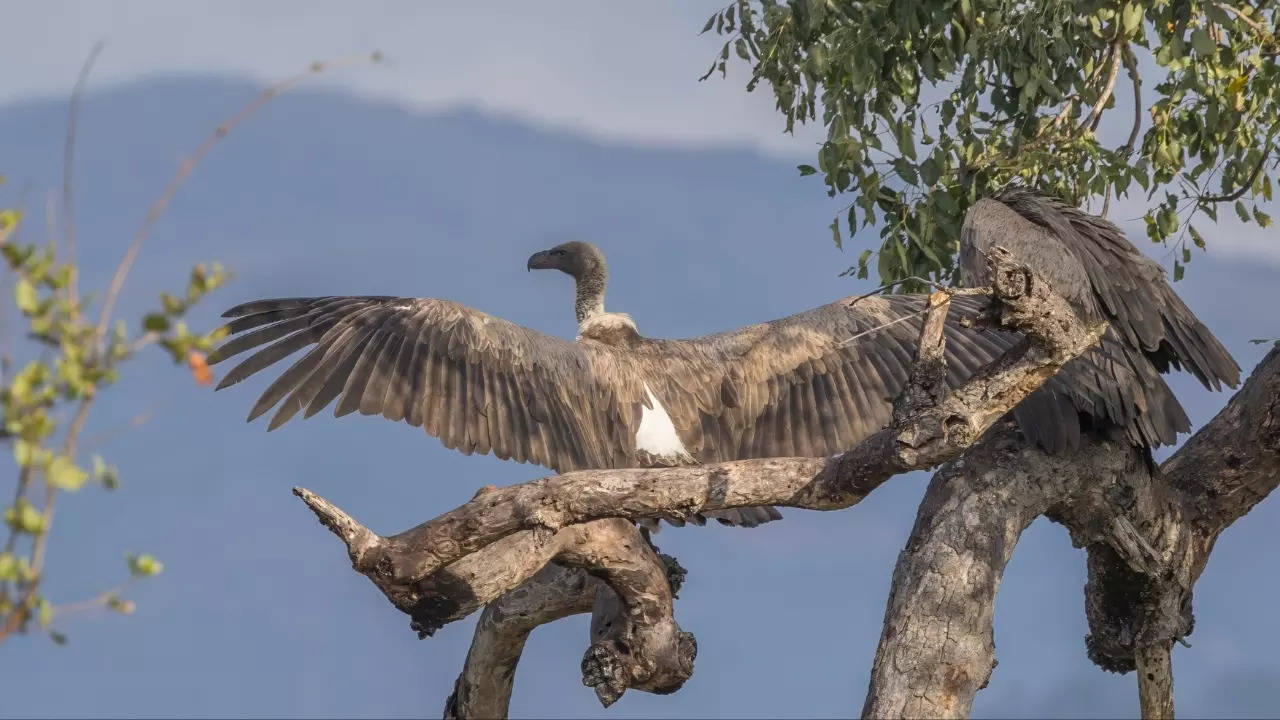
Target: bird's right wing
477	382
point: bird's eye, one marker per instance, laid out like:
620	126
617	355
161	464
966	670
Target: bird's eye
557	252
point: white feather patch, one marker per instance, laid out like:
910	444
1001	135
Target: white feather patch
657	435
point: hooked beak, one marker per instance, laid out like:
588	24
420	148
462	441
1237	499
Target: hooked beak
539	261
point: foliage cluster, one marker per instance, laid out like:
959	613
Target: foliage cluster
930	105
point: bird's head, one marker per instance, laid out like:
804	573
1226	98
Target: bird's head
578	259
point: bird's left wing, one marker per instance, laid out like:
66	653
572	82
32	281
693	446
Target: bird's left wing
812	384
477	382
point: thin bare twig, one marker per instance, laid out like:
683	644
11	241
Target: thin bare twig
1244	19
1113	71
1253	175
68	171
189	164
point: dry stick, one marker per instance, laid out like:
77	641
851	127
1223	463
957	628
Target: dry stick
1095	114
68	172
82	409
122	271
1131	67
184	170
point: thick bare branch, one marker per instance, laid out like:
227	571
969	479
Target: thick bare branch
936	649
1222	476
927	431
483	690
1155	681
639	645
448	567
1148	532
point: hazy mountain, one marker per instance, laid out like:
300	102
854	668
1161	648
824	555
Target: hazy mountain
258	612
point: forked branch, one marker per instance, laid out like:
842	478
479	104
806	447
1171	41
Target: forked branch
448	567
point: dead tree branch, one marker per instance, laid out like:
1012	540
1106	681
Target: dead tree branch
926	431
1148	532
446	568
483	690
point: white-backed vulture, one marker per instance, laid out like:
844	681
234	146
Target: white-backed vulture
811	384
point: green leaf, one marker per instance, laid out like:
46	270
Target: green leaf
1241	211
806	170
144	565
1196	237
9	567
23	452
835	233
1202	43
863	258
24	517
24	293
64	475
906	140
1131	17
155	322
44	616
929	171
1178	271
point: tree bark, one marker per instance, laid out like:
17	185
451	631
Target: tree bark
1148	531
936	648
483	690
1155	680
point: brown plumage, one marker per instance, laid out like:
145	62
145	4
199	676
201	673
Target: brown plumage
1151	330
815	383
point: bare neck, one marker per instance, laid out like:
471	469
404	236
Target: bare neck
590	300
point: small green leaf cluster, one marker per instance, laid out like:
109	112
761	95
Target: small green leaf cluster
931	105
173	334
72	359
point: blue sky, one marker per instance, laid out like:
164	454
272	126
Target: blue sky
437	174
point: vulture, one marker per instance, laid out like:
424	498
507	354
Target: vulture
1116	387
811	384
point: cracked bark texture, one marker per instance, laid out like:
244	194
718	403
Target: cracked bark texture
483	690
1148	531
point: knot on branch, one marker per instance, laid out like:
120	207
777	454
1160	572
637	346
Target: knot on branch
611	666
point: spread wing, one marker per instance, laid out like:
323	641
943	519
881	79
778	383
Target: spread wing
810	384
814	383
477	382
